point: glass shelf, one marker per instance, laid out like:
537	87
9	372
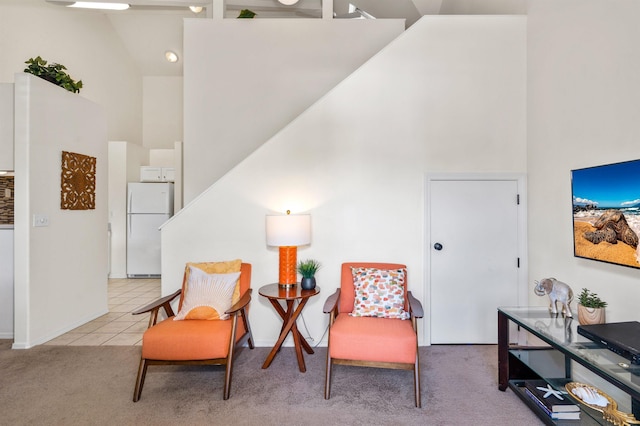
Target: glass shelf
554	362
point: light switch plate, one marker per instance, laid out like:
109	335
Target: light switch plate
40	220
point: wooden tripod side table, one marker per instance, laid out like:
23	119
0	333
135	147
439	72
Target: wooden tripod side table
275	294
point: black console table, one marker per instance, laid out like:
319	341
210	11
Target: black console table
554	358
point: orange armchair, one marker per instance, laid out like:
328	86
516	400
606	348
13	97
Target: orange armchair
371	341
195	341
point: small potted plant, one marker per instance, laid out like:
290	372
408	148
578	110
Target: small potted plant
53	73
308	268
590	308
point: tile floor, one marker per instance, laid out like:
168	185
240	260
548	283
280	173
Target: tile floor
118	327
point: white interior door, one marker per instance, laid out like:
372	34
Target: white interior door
474	257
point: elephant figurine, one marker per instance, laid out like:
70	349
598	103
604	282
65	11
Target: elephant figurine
558	292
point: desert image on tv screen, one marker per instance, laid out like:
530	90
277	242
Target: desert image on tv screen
606	212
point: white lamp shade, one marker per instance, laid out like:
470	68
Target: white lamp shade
288	230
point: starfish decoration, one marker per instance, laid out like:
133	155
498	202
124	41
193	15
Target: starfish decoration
550	391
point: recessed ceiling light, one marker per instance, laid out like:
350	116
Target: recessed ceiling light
196	9
95	5
288	2
171	56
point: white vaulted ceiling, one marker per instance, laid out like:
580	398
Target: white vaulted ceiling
151	27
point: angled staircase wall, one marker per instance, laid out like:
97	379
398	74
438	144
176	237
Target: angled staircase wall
448	95
244	80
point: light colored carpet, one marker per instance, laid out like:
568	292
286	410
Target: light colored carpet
75	385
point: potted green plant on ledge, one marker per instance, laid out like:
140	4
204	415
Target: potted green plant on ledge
591	308
246	14
53	73
308	268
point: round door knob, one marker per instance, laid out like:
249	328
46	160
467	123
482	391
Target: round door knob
437	246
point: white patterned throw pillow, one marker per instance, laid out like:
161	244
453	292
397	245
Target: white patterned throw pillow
207	296
379	293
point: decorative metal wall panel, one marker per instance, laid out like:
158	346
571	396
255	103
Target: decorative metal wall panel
78	190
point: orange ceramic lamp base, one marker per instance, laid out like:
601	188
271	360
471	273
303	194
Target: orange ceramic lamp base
288	266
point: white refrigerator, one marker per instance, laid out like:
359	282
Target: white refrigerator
149	205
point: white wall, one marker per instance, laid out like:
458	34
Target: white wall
246	79
60	269
448	95
6	126
583	111
117	151
484	7
85	42
162	111
178	166
162	157
125	160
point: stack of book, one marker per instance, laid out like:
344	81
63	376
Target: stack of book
555	403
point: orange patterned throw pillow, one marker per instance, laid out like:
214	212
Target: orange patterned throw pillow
379	293
210	290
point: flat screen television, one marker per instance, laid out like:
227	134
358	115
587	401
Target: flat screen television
606	212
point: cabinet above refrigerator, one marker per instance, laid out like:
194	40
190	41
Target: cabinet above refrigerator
157	174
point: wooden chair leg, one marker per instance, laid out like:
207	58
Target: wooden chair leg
227	379
416	381
247	327
230	353
142	373
327	378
